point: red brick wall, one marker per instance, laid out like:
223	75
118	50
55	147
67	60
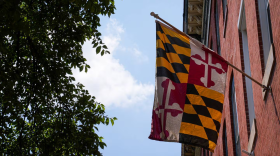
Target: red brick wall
267	112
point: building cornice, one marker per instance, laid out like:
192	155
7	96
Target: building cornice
195	16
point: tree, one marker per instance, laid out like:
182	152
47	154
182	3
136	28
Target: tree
42	110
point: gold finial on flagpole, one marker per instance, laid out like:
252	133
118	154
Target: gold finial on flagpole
155	15
168	24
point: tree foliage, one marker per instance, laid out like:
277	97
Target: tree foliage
42	110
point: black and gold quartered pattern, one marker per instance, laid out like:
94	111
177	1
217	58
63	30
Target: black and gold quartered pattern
173	54
202	116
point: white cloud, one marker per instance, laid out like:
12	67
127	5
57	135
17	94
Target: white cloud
139	56
107	79
113	35
113	38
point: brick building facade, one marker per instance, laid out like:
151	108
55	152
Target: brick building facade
246	33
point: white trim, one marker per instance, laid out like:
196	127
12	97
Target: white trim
252	136
268	70
239	23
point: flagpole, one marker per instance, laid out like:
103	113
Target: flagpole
243	73
182	33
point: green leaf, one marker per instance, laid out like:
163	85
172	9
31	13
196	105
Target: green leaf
100	139
112	121
95	45
81	68
98	34
106	2
102	145
107	121
102	106
92	9
96	128
98	49
102	53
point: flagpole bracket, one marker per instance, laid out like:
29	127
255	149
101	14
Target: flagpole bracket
265	88
154	15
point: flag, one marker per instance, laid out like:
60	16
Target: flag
189	90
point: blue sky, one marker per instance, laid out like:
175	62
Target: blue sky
124	80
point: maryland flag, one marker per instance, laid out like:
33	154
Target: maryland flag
189	92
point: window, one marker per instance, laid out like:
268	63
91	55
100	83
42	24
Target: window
235	127
225	139
264	13
247	69
248	82
211	44
267	41
224	8
216	12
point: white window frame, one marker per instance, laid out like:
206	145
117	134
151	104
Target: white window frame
243	29
268	50
270	59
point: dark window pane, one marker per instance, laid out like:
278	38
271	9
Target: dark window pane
235	119
264	16
225	140
224	8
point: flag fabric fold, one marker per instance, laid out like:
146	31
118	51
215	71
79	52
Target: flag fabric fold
189	90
